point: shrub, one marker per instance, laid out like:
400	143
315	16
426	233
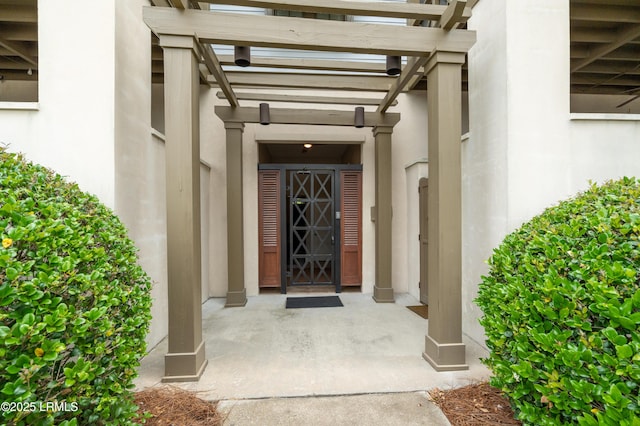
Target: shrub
561	311
74	304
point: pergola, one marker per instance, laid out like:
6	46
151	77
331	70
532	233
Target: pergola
436	50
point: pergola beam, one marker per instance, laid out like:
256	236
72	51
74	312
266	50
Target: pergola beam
625	36
340	7
215	68
412	67
334	100
309	64
308	81
453	14
306	34
305	116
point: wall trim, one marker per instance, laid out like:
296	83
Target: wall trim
603	117
418	161
160	136
24	106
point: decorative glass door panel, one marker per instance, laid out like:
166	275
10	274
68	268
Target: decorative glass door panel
311	242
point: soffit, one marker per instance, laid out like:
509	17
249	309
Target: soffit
605	47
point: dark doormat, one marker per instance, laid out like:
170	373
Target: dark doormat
422	310
313	302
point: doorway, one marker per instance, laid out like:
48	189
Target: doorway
310	220
310	226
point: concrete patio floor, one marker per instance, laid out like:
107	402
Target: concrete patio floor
266	351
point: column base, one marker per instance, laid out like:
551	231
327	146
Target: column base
236	299
184	367
445	356
383	294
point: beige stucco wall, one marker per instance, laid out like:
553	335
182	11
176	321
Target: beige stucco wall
515	161
71	128
526	151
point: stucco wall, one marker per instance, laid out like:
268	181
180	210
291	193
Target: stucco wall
72	131
603	147
515	161
526	151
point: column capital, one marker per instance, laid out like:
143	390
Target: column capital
178	41
234	125
441	57
382	129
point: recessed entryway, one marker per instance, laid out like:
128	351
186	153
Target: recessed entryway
310	215
310	226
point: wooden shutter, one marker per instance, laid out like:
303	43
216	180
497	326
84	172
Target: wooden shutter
351	228
269	228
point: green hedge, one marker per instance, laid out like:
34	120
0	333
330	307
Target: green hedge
74	304
561	310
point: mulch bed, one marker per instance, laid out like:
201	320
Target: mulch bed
474	405
175	406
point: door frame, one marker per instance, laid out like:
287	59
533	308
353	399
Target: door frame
284	168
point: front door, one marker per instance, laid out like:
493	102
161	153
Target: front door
311	227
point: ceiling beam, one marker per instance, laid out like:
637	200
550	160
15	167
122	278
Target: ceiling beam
20	31
309	81
597	80
335	100
605	13
306	34
344	7
212	63
15	13
309	64
592	35
614	68
625	35
412	67
319	117
623	53
18	50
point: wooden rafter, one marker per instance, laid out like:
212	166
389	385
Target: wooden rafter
412	67
309	64
624	36
381	9
308	81
300	33
213	65
334	100
453	14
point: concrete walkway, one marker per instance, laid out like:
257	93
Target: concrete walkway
263	355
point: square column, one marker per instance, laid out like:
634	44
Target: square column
185	360
383	288
444	349
236	293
